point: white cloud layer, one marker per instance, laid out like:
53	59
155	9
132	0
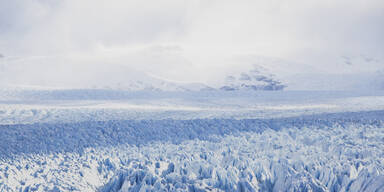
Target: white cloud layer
196	40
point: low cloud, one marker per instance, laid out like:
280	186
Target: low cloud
185	40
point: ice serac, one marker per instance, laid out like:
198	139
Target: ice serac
310	154
76	140
328	152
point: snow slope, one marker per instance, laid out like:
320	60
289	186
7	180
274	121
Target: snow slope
310	72
252	80
237	71
78	140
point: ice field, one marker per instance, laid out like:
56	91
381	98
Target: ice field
191	96
106	140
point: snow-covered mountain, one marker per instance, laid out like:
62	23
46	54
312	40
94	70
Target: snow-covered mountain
317	72
244	72
252	80
57	74
150	83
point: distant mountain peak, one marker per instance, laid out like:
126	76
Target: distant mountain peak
252	80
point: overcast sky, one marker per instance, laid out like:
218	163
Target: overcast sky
185	40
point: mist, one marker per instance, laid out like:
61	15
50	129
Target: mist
85	43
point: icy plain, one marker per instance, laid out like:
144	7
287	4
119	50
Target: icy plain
106	140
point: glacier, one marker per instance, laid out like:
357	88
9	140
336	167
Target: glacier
234	96
104	140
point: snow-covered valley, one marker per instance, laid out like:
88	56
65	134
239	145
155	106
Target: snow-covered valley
103	140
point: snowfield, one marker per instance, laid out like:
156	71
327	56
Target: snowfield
103	140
